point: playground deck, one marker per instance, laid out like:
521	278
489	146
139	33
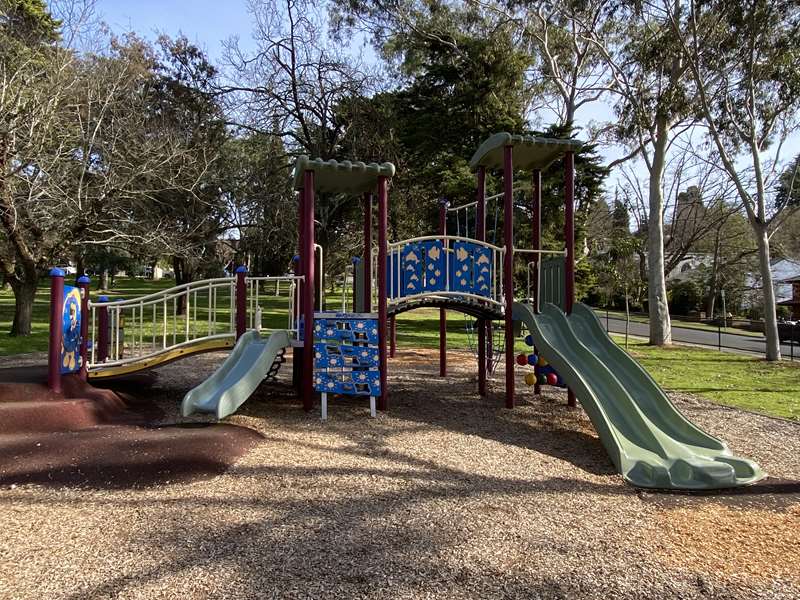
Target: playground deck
445	496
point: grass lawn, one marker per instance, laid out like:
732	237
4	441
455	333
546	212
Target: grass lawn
678	323
723	377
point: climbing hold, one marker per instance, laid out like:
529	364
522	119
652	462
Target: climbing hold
532	358
542	362
522	360
530	378
529	339
552	379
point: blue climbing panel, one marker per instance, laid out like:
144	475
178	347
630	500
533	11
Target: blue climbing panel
346	356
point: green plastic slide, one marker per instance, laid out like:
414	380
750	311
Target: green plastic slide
649	441
237	377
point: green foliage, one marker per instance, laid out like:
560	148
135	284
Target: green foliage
28	22
685	297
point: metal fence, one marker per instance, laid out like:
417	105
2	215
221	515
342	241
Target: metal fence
710	335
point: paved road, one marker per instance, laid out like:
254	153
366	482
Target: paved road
742	343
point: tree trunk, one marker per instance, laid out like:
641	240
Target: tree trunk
104	280
24	295
183	274
768	294
712	284
660	326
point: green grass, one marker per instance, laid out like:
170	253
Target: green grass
727	378
723	377
679	323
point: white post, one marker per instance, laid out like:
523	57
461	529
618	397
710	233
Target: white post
324	405
372	406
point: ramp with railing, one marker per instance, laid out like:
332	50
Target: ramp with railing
130	335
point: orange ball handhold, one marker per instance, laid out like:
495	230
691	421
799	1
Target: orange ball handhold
542	362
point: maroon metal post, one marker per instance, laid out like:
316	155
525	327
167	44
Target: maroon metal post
83	283
442	311
56	330
102	334
297	352
307	259
367	251
536	227
508	268
480	234
383	213
392	336
241	301
569	240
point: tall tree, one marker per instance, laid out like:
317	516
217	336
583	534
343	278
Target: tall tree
744	62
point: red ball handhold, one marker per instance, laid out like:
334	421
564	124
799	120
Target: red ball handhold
552	378
522	360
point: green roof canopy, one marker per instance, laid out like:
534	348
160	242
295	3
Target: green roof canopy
341	177
530	152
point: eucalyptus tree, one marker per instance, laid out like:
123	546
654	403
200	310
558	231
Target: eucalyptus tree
743	61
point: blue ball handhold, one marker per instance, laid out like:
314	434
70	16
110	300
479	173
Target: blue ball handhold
532	359
529	339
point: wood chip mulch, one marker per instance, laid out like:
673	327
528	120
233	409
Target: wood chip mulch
446	496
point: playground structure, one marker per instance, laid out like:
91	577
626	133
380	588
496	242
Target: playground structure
648	440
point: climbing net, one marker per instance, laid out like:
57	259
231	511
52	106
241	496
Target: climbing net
496	342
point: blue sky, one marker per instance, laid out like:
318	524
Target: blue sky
205	22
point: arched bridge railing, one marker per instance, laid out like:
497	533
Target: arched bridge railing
131	334
445	266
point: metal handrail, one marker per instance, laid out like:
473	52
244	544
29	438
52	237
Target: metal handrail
169	291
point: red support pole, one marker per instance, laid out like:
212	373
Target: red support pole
367	252
102	334
569	240
442	311
383	212
241	301
480	234
307	260
392	336
83	283
56	330
536	185
508	268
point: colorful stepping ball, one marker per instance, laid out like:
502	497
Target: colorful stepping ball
541	379
530	378
542	362
529	339
532	359
522	360
552	379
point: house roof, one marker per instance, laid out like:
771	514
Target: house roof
341	177
530	152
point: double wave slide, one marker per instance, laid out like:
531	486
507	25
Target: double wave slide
248	364
650	442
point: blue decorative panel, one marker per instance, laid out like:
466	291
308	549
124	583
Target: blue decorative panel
482	270
71	330
435	272
462	261
412	266
346	355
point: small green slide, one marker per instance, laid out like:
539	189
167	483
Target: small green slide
649	441
248	364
